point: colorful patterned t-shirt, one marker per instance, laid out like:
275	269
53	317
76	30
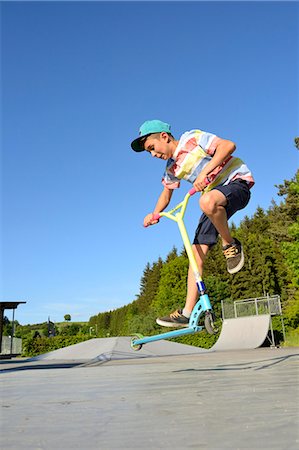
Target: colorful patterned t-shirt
194	151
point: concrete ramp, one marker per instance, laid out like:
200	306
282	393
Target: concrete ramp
107	349
243	333
236	334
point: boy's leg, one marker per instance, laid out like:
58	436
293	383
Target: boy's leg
200	252
219	205
213	205
180	317
207	234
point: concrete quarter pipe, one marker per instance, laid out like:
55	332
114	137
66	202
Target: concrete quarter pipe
243	333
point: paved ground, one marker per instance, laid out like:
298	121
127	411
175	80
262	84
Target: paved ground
231	400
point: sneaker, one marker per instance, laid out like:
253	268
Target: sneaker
234	256
174	320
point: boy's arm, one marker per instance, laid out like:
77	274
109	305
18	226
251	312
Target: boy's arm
223	150
162	203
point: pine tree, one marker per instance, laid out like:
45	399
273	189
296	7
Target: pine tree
172	287
172	255
149	286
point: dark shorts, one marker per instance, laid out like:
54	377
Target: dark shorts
237	194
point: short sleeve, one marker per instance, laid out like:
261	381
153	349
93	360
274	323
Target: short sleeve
169	180
207	141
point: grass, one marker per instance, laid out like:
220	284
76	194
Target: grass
292	338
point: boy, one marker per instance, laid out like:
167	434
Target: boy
204	160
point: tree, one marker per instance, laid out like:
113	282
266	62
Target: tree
7	327
172	255
171	292
67	317
149	286
284	229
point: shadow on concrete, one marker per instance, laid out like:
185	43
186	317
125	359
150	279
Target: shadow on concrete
253	365
13	366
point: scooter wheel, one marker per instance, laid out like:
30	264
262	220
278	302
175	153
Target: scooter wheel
210	323
137	347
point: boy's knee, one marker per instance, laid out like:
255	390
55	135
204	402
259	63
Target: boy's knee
207	204
211	201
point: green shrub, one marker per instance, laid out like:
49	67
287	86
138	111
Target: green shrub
37	346
202	339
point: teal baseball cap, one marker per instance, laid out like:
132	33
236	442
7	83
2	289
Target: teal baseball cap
147	128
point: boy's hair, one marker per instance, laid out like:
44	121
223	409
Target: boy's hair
155	136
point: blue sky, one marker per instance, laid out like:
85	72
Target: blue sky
78	78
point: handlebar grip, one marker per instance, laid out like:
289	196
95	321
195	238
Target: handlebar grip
192	191
156	216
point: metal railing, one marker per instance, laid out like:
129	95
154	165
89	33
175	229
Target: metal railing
11	346
251	307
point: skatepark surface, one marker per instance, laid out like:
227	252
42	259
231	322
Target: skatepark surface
240	333
106	396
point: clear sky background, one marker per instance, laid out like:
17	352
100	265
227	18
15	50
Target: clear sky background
78	79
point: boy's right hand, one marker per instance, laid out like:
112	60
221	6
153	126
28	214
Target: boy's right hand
149	220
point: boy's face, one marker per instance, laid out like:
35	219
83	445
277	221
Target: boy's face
159	146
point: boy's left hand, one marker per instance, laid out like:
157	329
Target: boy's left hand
149	220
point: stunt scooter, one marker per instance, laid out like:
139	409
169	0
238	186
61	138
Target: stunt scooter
203	305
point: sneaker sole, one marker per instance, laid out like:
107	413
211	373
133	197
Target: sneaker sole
171	324
239	266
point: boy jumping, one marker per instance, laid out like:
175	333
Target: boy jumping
204	160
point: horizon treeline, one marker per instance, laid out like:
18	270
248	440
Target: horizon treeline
271	248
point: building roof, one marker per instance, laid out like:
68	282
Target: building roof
9	305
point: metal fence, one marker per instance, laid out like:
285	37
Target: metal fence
251	307
11	346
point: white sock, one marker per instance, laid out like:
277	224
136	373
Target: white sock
186	313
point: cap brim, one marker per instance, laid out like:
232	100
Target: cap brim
136	144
